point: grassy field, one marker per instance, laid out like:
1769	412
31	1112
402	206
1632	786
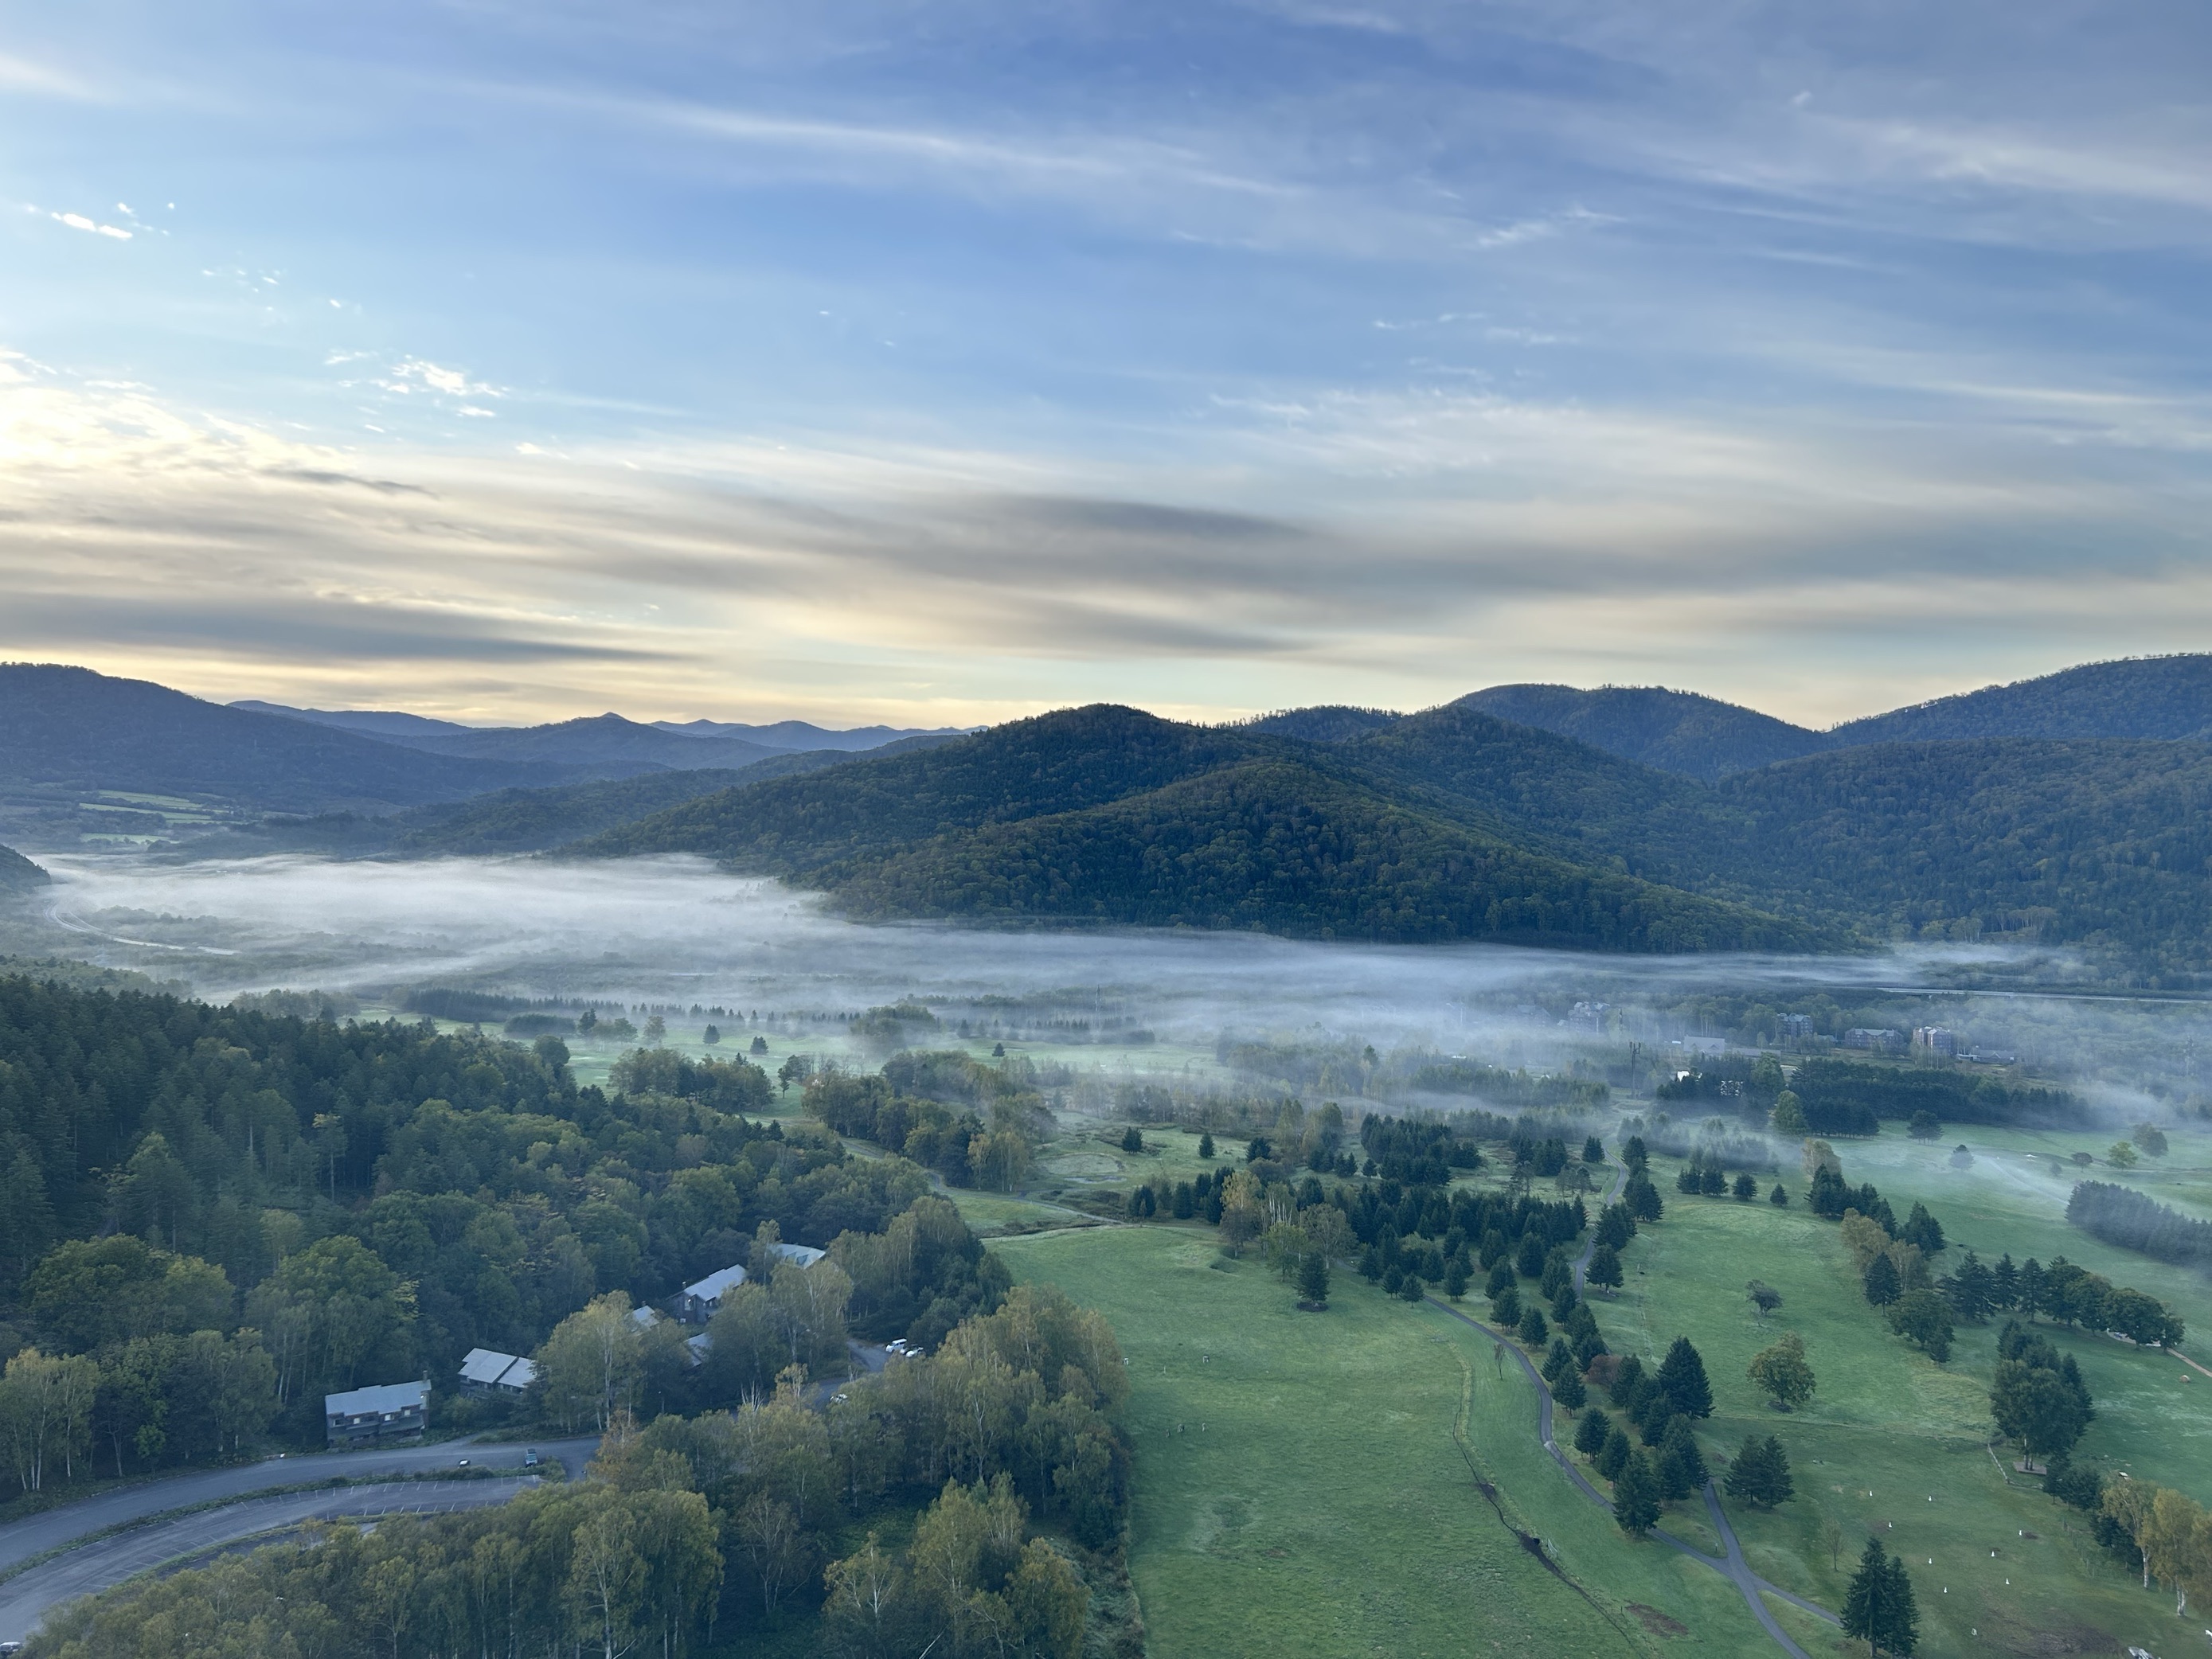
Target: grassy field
1305	1484
1895	1444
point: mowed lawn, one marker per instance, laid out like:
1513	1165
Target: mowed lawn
1303	1481
1897	1446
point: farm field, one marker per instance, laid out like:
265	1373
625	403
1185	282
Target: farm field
1301	1488
1898	1445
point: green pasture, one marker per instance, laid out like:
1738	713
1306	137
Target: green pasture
1303	1482
1897	1446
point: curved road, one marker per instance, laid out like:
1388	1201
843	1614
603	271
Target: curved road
19	1541
105	1563
1732	1565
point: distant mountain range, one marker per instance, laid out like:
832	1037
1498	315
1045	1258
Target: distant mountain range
87	759
2162	697
2074	809
602	741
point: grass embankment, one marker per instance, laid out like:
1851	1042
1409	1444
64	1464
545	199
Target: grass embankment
1896	1444
1301	1488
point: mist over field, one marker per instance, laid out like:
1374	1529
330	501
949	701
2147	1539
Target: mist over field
676	931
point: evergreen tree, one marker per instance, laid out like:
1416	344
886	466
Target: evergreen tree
1593	1151
1456	1278
1713	1181
1689	1177
1628	1383
1683	1375
1205	1144
1588	1346
2031	1288
1681	1466
1371	1264
1746	1188
1922	1230
1313	1276
1879	1605
1642	1199
1653	1416
1969	1290
1615	1455
1502	1278
1559	1271
1881	1282
1615	1227
1393	1279
1901	1628
1633	1153
1533	1327
2004	1283
1570	1390
1604	1269
1531	1256
1412	1290
1635	1496
1505	1308
1561	1356
1592	1432
1761	1472
1778	1198
1133	1140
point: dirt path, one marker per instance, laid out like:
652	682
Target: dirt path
1731	1565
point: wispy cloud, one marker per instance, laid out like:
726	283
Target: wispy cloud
78	222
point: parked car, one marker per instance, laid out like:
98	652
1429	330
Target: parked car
530	1458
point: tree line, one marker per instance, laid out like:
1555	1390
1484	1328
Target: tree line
960	1502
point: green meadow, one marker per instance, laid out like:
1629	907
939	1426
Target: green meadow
1895	1444
1306	1484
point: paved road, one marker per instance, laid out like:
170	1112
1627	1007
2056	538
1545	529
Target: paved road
21	1540
1732	1564
106	1562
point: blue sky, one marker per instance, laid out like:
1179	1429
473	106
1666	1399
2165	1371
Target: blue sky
860	362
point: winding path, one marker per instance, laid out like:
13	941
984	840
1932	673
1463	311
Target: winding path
106	1562
1732	1564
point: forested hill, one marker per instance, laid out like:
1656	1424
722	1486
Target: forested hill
1110	815
17	873
1453	824
1676	730
2168	697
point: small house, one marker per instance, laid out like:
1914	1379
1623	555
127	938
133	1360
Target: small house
696	1303
488	1374
376	1416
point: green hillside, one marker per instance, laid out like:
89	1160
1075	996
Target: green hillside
1281	846
2143	697
2105	843
1676	730
1453	824
1055	762
18	874
1110	815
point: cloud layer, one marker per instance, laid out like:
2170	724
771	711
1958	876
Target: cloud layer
847	360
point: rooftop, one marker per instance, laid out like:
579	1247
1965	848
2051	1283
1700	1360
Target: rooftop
382	1398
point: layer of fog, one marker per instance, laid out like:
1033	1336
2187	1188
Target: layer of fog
679	931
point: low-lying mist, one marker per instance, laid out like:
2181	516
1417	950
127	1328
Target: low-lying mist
679	932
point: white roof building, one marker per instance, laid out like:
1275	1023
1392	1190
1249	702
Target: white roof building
484	1370
804	1254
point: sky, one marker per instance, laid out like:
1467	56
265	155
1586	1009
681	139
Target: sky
941	364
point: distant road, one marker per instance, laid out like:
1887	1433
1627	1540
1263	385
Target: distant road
21	1540
105	1563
